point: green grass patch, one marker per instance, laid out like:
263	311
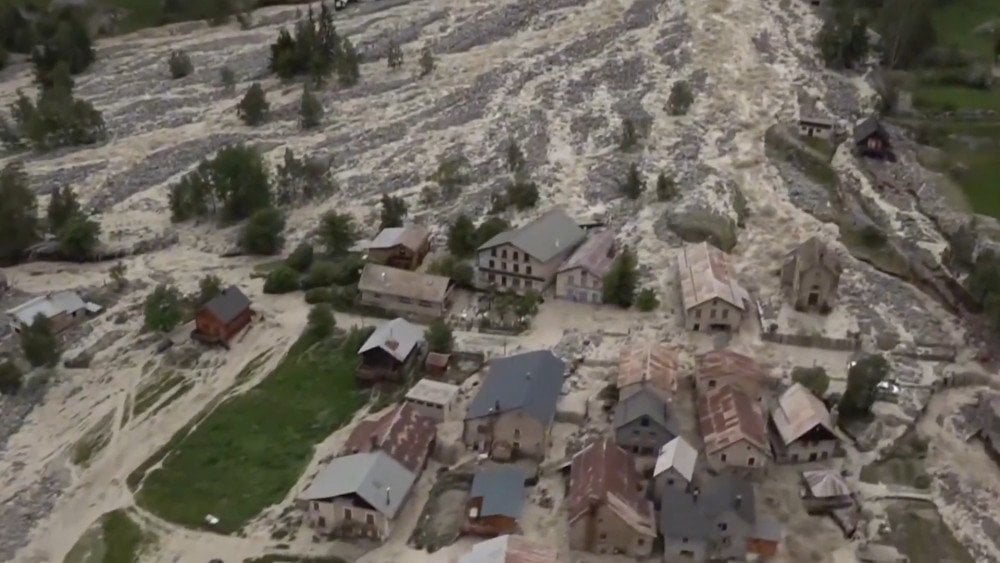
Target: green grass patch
246	454
939	97
115	538
161	383
955	21
918	532
901	464
778	146
178	392
863	245
92	442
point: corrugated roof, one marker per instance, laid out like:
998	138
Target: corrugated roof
798	412
679	455
727	415
545	237
825	483
814	252
717	364
397	337
502	489
694	514
375	477
48	305
706	274
530	381
403	283
643	403
647	363
431	391
410	236
228	304
603	473
595	255
509	549
402	433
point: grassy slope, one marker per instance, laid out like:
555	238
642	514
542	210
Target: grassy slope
116	538
249	452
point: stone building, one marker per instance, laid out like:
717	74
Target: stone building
733	429
400	247
581	277
810	275
801	429
403	292
643	423
711	297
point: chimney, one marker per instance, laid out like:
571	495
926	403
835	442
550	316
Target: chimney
737	502
695	494
496	406
387	499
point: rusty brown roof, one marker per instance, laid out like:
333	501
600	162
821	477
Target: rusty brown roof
798	412
814	252
706	274
402	433
725	363
651	363
603	473
510	549
727	415
596	255
411	236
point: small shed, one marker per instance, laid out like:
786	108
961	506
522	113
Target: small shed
872	140
223	317
390	351
432	398
824	491
437	363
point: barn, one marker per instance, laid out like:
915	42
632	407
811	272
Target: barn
223	317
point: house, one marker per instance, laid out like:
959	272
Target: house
809	276
223	317
711	297
403	434
404	292
813	124
801	429
400	247
432	399
528	257
647	365
643	423
824	491
358	495
390	351
437	363
872	140
509	549
63	309
674	466
608	510
726	367
732	428
512	413
581	277
717	521
496	500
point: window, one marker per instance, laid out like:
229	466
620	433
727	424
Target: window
572	279
503	281
640	542
635	432
725	313
503	254
405	300
750	462
322	522
493	264
481	429
527	270
697	313
517	433
723	457
514	255
517	268
315	505
491	277
711	313
516	282
644	421
670	482
347	514
722	526
493	252
711	384
604	536
503	265
370	519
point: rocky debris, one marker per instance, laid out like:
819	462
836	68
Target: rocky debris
20	513
15	408
672	45
641	13
44	182
975	506
705	211
376	49
762	42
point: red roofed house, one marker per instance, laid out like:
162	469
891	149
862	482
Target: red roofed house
608	508
403	434
732	428
647	365
223	317
581	277
725	367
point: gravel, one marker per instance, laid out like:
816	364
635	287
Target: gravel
20	513
641	13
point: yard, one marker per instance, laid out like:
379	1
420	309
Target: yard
246	454
115	538
918	532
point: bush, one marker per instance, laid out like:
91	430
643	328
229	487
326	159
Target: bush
319	295
321	322
439	337
459	271
162	309
426	61
281	280
263	232
515	156
19	227
310	109
522	194
228	79
646	300
338	233
208	288
619	283
394	56
630	137
666	188
39	344
63	206
179	64
10	378
253	108
348	64
301	258
462	237
393	212
862	379
681	98
452	173
343	298
634	185
78	237
813	378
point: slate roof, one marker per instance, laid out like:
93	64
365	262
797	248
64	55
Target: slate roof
603	473
798	412
48	305
867	128
375	477
396	337
679	455
596	255
509	549
640	404
727	415
402	433
530	381
502	489
545	237
653	364
228	304
410	236
403	283
825	483
694	515
814	252
706	274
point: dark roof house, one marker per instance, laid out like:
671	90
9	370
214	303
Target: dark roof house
872	140
496	500
374	477
549	235
530	381
223	316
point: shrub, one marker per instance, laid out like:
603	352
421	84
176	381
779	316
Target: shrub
459	271
262	233
462	237
208	288
522	194
394	56
681	98
63	206
162	309
515	156
348	65
253	108
343	297
634	185
281	280
179	64
310	109
228	79
666	188
452	173
321	322
344	271
11	378
439	337
301	258
319	295
813	378
426	61
338	233
862	378
78	237
19	227
393	211
619	283
630	137
39	344
117	275
646	300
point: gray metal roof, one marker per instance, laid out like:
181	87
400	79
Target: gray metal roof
867	127
374	476
397	337
690	516
543	238
228	305
502	490
643	403
679	455
48	305
530	381
410	236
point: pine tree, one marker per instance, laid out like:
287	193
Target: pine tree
393	211
394	57
666	188
63	206
19	227
310	109
426	61
253	108
348	65
515	156
634	185
228	79
630	137
39	343
620	282
462	237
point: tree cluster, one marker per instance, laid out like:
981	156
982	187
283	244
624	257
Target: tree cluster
231	185
60	37
863	378
303	179
464	237
439	337
19	224
521	193
458	270
337	232
393	212
813	378
620	282
452	173
316	50
843	39
39	343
